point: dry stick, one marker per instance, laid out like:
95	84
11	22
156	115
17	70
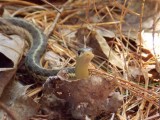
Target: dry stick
51	28
12	116
142	105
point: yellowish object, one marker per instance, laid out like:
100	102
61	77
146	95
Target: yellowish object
82	63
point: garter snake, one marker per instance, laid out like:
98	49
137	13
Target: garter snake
38	42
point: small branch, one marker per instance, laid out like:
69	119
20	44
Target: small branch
51	28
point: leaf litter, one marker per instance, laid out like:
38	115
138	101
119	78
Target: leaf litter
118	48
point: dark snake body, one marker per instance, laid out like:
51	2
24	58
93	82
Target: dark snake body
35	38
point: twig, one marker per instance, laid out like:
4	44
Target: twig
51	28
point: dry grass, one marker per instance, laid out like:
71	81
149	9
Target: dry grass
60	20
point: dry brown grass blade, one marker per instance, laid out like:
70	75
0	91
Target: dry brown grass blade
134	88
86	25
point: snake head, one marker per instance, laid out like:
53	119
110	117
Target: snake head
85	54
83	50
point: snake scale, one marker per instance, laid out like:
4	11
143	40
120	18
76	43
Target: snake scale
38	42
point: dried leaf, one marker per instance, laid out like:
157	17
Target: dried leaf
98	92
14	97
5	78
104	32
54	60
114	59
151	42
11	48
